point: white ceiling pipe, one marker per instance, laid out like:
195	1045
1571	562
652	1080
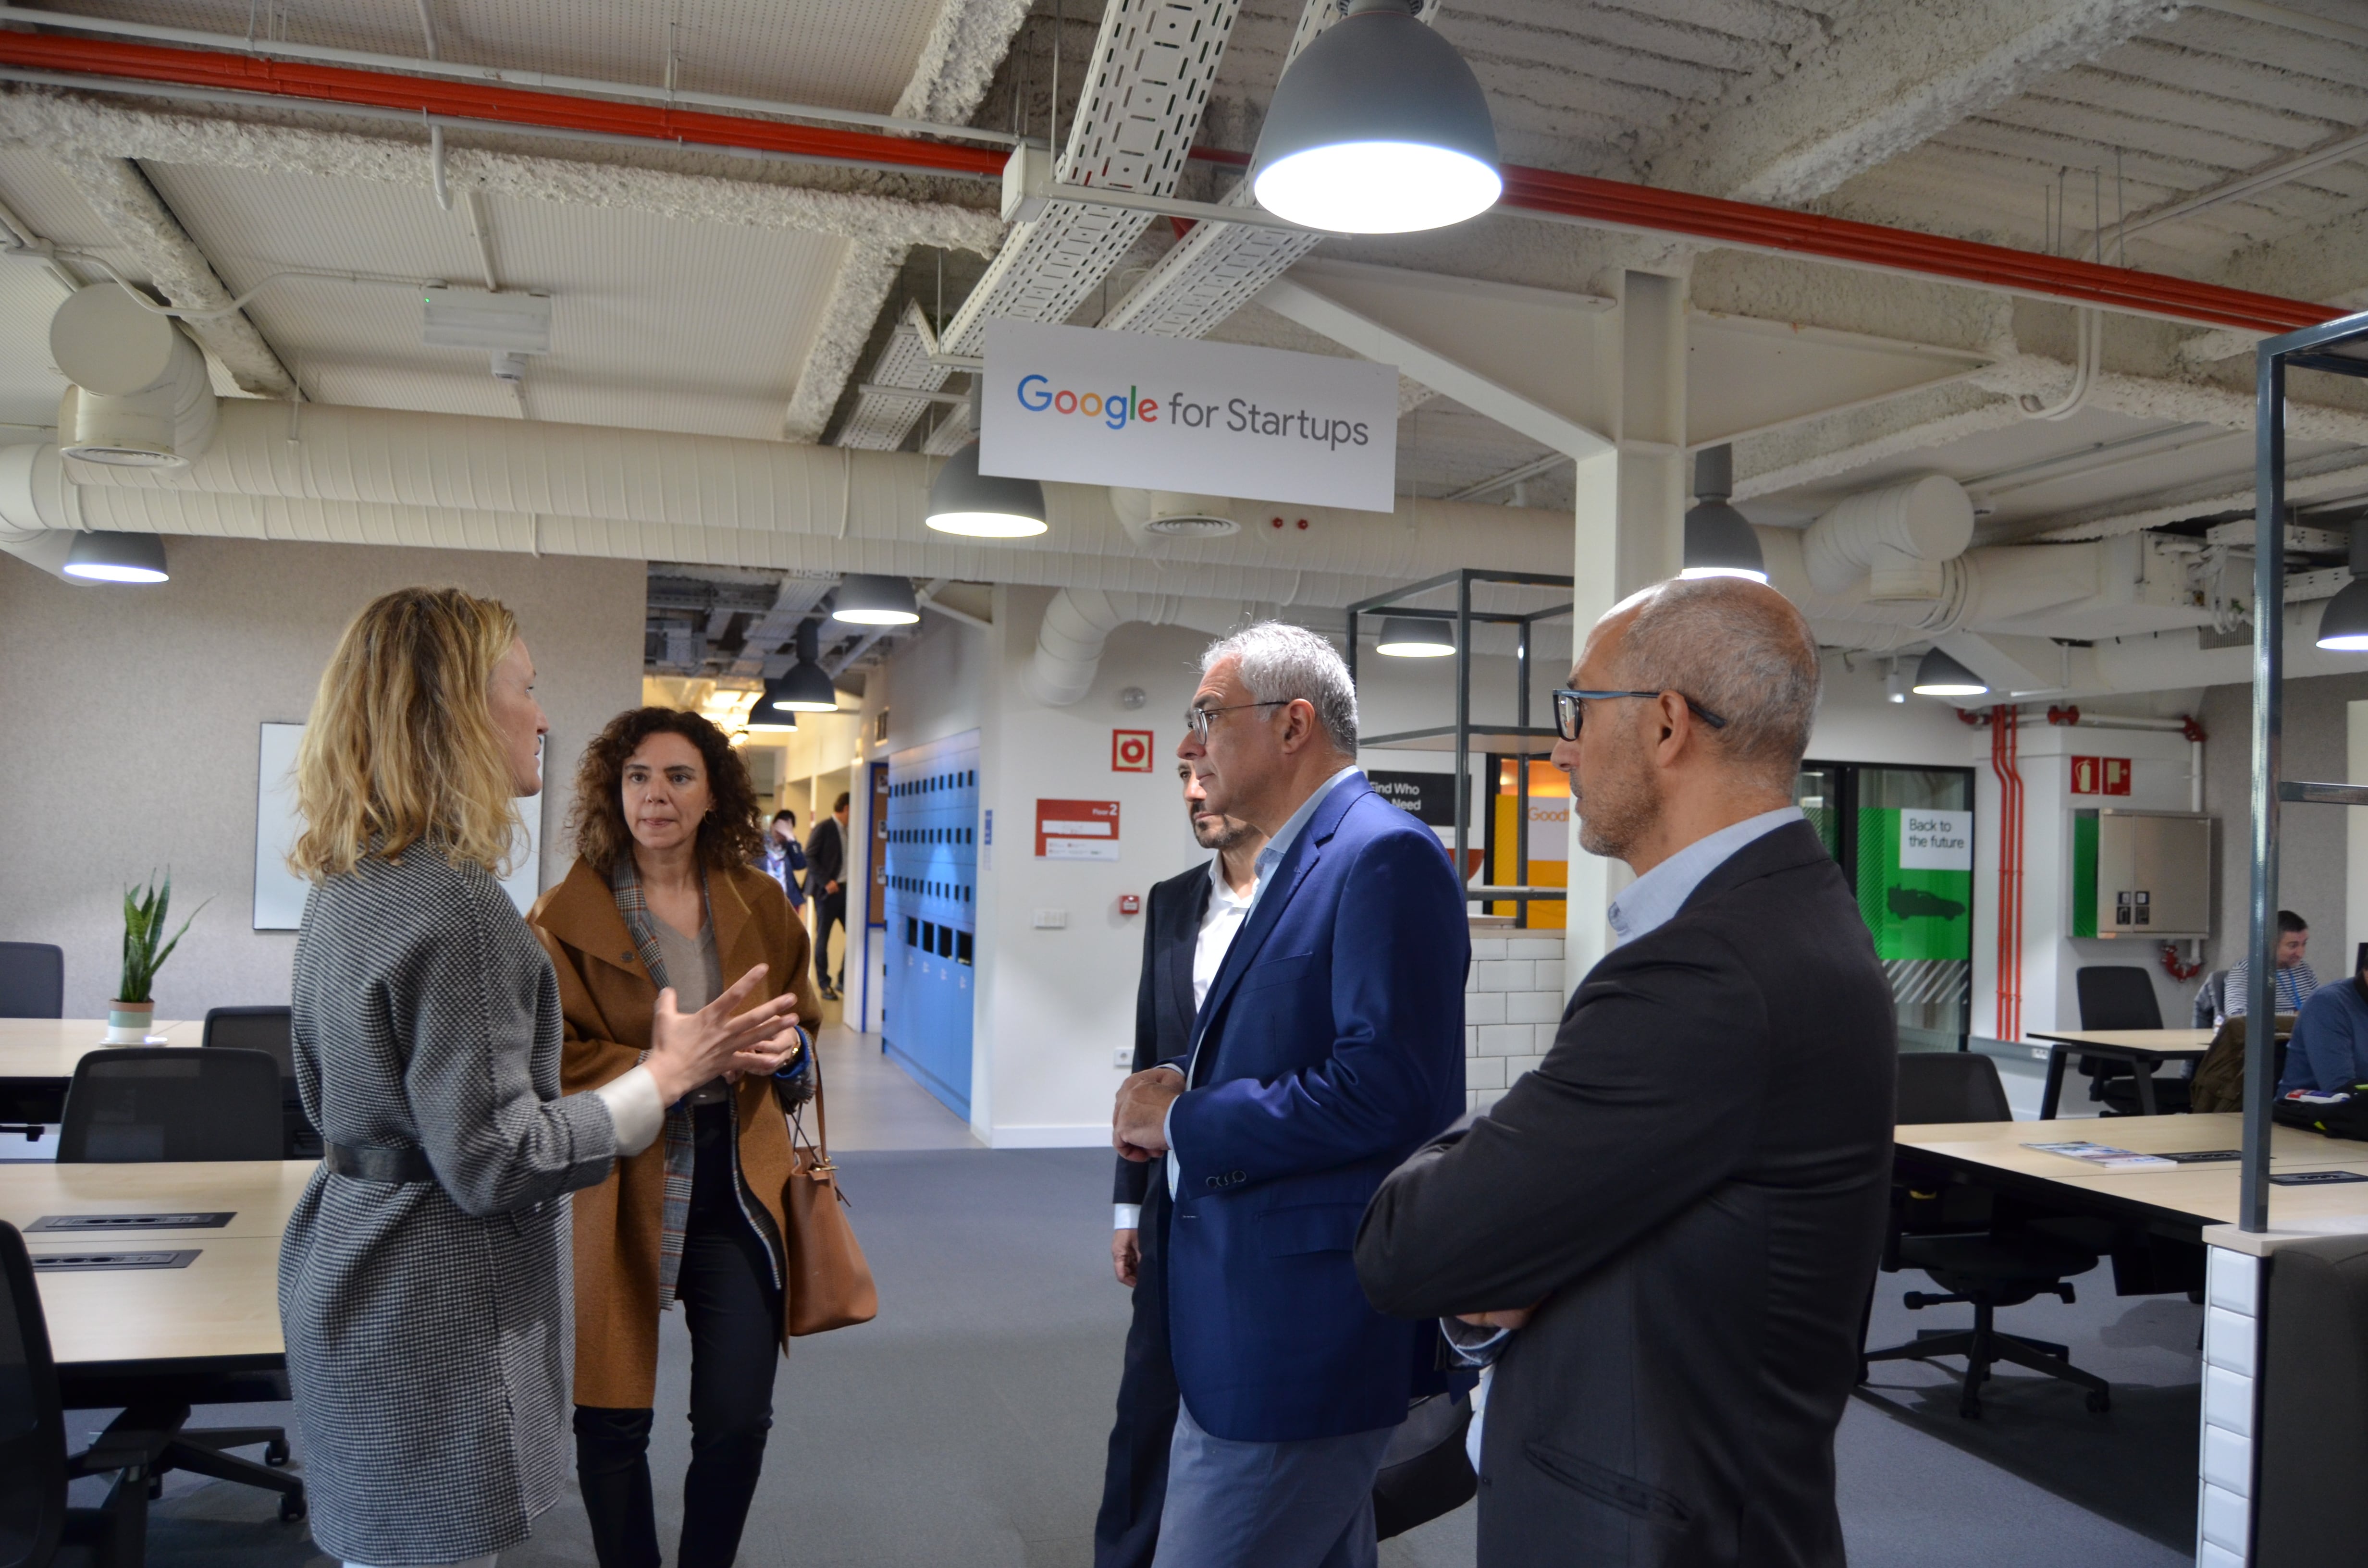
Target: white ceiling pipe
40	512
475	464
1898	535
1078	622
1980	588
141	394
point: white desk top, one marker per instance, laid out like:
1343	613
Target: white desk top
2131	1039
48	1048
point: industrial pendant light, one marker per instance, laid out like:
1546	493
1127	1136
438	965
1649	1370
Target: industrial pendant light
101	556
1378	127
1719	540
805	687
2343	624
1414	637
982	506
868	600
1937	674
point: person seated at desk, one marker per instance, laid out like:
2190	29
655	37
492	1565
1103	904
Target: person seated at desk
2295	980
2328	1052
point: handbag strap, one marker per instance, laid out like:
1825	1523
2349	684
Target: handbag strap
821	1142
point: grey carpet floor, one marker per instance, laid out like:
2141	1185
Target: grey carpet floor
967	1425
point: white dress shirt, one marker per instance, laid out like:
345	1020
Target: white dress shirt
1220	924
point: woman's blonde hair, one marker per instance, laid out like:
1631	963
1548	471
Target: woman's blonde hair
401	748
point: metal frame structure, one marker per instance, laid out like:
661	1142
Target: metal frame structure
1459	737
2340	346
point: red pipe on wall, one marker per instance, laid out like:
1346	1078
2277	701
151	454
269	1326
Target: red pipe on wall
1568	197
2004	750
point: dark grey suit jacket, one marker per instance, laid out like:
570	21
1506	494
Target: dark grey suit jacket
1695	1183
1163	997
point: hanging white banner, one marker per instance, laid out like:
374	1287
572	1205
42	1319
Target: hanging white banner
1093	407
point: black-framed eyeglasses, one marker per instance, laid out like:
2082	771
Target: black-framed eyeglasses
1570	713
1197	719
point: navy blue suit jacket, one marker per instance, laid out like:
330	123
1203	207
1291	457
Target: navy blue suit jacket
1330	1048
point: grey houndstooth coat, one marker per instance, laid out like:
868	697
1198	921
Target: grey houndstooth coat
428	1325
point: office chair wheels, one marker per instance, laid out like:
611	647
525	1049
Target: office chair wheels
275	1452
291	1507
2100	1402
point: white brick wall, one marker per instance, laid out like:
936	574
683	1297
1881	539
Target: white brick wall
2231	1335
1512	1004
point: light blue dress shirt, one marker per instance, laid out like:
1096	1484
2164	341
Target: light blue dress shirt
1653	900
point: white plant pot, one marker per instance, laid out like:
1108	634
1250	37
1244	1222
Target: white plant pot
128	1023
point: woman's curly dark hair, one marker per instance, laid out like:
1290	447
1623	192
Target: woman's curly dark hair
728	836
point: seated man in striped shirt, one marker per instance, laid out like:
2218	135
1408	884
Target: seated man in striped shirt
2295	981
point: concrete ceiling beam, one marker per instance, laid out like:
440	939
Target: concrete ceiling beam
161	248
1890	80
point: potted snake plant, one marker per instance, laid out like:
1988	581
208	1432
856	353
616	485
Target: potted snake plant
133	1010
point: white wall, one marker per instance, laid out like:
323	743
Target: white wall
132	717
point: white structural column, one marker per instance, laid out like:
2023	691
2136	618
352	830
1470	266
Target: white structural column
1628	530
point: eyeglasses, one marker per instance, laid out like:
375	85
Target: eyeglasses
1569	715
1197	719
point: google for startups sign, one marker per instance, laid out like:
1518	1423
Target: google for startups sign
1093	407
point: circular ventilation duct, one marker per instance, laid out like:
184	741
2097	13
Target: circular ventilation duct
1191	525
141	396
1170	514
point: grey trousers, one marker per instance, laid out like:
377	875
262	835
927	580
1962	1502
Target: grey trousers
1235	1505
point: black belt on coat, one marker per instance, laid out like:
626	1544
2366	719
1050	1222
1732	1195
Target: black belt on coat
409	1163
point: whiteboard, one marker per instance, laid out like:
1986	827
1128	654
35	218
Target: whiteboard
279	893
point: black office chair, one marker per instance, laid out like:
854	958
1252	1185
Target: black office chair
32	981
2121	996
36	1528
2211	1001
155	1103
1996	1265
268	1029
162	1102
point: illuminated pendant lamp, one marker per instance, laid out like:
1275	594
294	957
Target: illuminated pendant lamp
2343	624
805	687
1414	637
1378	127
103	556
870	600
982	506
1720	541
1937	674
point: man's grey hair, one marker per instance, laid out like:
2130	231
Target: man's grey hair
1739	649
1281	663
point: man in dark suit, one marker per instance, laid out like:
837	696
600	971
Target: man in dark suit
1677	1215
826	885
1329	1046
1190	921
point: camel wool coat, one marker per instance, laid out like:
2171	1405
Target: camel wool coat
607	997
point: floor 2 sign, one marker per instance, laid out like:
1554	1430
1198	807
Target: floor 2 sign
1076	829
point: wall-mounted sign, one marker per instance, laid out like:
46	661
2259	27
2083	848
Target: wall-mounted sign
1429	796
1131	750
1936	841
1076	829
1093	407
2101	775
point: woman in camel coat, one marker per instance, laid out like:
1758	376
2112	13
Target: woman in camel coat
661	897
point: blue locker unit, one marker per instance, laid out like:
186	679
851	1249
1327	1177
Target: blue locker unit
932	901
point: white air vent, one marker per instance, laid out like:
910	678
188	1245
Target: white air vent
1191	525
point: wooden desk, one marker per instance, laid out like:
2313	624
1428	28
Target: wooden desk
48	1048
258	1195
2144	1049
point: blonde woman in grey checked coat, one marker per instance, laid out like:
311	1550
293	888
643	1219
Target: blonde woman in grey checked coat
424	1281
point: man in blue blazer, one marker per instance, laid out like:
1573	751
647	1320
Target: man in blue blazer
1329	1047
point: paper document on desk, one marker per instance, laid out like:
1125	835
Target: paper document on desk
2106	1157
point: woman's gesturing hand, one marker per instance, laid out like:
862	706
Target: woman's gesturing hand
688	1049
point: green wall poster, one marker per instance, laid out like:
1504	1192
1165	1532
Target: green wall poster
1916	882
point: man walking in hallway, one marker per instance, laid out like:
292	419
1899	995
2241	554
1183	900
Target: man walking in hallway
1329	1046
1191	921
1667	1232
826	883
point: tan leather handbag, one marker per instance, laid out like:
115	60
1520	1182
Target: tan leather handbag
830	1283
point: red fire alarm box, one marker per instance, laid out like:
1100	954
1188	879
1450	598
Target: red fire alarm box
1129	903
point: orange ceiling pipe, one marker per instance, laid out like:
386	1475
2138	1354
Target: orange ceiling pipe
484	101
1564	197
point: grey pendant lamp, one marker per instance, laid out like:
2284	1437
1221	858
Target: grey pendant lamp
871	600
2343	624
1414	637
103	556
805	688
1720	541
1937	674
982	506
1378	127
